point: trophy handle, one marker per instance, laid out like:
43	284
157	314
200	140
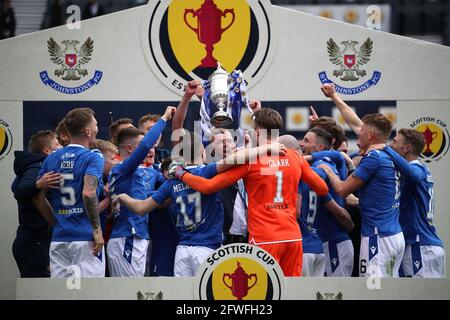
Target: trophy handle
434	135
225	275
256	280
224	14
194	14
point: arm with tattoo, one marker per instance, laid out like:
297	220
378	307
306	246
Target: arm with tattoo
90	200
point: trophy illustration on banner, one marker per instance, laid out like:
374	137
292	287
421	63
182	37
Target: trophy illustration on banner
239	282
209	28
429	137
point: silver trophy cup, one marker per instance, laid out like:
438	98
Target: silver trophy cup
218	81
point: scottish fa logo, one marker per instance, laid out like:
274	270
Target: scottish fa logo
436	136
350	59
71	62
240	272
185	39
6	139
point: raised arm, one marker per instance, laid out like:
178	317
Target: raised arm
150	138
411	172
347	113
193	87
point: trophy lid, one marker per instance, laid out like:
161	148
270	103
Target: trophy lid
218	71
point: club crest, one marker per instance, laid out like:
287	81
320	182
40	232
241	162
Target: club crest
350	59
71	61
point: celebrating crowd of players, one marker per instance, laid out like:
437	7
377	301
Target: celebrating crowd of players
127	208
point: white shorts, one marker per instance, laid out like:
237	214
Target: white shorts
381	255
339	258
127	256
68	259
188	259
424	261
313	264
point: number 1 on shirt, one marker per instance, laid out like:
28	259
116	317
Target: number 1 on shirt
278	197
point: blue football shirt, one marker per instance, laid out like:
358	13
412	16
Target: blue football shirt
73	162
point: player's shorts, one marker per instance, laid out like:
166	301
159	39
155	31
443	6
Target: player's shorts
188	259
127	256
288	254
75	258
381	256
423	261
339	258
313	264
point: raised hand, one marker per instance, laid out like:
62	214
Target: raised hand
255	105
170	111
313	115
176	169
328	89
194	87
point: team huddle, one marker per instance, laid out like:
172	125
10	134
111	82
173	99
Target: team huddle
128	208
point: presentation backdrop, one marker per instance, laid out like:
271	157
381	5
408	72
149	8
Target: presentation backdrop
137	61
11	135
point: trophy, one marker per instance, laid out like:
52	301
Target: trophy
239	282
228	92
209	28
429	137
218	81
